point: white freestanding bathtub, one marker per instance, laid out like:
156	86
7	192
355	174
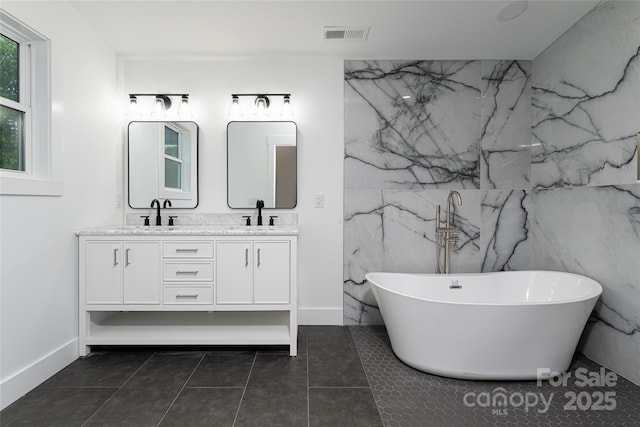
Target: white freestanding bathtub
498	326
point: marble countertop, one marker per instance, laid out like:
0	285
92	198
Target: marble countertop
190	230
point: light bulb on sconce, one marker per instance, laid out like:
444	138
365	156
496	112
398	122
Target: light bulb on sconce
134	110
234	111
262	105
184	110
160	105
287	108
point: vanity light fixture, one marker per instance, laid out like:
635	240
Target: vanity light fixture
162	103
262	102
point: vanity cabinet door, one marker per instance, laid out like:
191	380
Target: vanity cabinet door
272	273
234	284
141	272
103	272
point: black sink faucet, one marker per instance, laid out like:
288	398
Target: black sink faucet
259	206
165	203
156	203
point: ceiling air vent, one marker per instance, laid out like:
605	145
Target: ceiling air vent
345	33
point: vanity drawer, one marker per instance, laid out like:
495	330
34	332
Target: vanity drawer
187	295
187	271
187	249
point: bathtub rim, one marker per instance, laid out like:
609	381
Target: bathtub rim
596	295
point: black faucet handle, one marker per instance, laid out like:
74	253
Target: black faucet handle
171	222
248	218
271	219
146	219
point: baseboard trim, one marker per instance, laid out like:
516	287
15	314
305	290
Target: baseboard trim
320	316
28	378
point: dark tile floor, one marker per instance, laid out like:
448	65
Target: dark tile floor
324	386
343	376
407	397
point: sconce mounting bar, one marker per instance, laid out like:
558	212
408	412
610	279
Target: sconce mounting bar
260	94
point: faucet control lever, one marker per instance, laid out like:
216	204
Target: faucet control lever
146	219
248	218
171	220
271	219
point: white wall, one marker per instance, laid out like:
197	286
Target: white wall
316	87
38	256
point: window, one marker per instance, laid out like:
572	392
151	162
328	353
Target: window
14	106
172	160
26	163
176	154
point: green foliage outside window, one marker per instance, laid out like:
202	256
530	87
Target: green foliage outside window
11	120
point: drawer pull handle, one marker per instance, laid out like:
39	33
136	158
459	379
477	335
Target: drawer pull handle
194	250
258	257
126	256
115	257
246	257
194	272
186	296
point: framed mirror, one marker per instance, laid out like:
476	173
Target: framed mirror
163	163
262	164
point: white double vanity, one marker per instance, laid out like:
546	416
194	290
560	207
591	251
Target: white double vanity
189	285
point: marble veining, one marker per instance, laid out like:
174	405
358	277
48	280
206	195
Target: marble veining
505	238
586	101
380	226
595	231
415	124
505	124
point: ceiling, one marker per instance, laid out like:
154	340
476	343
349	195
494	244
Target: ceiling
451	29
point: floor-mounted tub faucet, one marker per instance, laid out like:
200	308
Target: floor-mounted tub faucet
445	236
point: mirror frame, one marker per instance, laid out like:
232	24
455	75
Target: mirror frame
263	121
197	153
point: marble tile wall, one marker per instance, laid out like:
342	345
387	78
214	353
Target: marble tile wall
585	101
586	200
465	126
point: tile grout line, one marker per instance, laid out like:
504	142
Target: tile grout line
180	392
246	384
118	389
366	375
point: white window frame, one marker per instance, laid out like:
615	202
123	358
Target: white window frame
35	100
